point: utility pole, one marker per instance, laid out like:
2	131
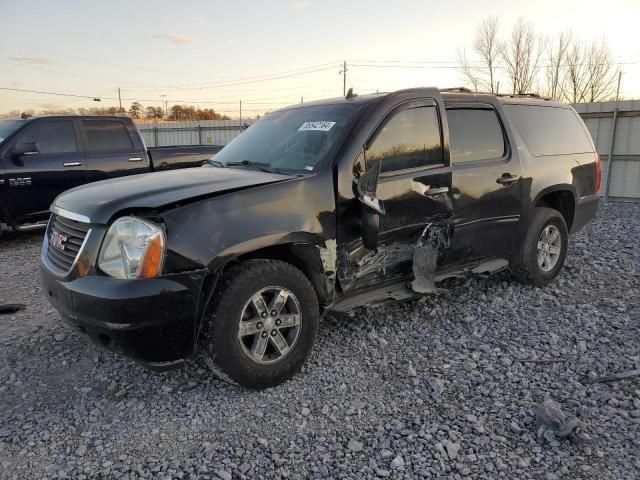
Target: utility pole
119	102
613	141
240	112
164	97
301	99
343	72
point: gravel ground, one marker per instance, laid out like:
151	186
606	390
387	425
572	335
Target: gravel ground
444	387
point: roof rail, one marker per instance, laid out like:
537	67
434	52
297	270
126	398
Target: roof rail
456	89
522	95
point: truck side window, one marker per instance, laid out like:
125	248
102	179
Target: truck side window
55	136
409	139
549	130
106	135
474	135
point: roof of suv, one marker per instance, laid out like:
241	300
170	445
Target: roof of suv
462	94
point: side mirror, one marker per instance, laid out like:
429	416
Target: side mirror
26	148
372	207
367	186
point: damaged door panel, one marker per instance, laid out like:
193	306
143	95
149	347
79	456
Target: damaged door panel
408	192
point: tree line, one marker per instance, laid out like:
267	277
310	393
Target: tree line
563	67
176	112
137	111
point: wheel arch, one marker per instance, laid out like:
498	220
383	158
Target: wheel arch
316	258
561	198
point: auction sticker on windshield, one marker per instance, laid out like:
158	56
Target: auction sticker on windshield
321	126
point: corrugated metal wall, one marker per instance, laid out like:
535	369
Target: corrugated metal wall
625	174
202	132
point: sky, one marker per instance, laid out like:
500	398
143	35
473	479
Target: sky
267	54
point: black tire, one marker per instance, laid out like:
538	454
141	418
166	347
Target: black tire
524	264
235	289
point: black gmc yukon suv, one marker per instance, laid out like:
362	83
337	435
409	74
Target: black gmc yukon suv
322	206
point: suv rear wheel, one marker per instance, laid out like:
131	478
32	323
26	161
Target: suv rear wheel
544	249
262	324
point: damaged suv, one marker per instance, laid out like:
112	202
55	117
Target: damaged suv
322	206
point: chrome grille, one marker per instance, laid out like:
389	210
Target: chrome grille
66	237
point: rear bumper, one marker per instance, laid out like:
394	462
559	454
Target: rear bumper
153	321
586	211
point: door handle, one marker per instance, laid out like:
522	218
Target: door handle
135	159
72	164
507	179
436	191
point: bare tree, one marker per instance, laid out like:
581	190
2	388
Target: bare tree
481	73
601	71
576	82
554	70
589	72
521	54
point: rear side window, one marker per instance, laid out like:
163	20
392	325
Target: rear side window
106	135
51	136
474	135
409	139
549	130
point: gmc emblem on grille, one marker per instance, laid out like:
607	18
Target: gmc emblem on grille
57	240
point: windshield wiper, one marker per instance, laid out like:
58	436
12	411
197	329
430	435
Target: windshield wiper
216	163
263	167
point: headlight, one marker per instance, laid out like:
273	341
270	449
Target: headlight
132	248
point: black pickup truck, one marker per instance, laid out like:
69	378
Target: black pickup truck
41	157
317	207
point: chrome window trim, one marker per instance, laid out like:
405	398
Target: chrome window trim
70	215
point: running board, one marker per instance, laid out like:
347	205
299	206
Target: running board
23	228
376	296
399	290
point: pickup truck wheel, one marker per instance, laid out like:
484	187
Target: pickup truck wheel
262	324
544	249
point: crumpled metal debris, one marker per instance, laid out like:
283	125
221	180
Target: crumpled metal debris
11	307
433	242
552	422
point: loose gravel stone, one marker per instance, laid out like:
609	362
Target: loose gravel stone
443	387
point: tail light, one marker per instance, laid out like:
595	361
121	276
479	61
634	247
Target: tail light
598	173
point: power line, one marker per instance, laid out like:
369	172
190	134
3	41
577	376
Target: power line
457	67
212	102
76	75
84	59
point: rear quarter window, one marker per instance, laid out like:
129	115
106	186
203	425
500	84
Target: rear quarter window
549	130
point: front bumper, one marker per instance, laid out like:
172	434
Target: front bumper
154	321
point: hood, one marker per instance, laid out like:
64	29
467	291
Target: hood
100	201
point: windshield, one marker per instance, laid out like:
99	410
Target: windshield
296	140
7	127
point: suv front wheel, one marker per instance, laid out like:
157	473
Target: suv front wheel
263	323
543	250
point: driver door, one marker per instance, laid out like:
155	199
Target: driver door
413	187
37	177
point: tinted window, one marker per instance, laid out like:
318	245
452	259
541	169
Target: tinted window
474	135
7	127
105	135
549	130
411	138
52	136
